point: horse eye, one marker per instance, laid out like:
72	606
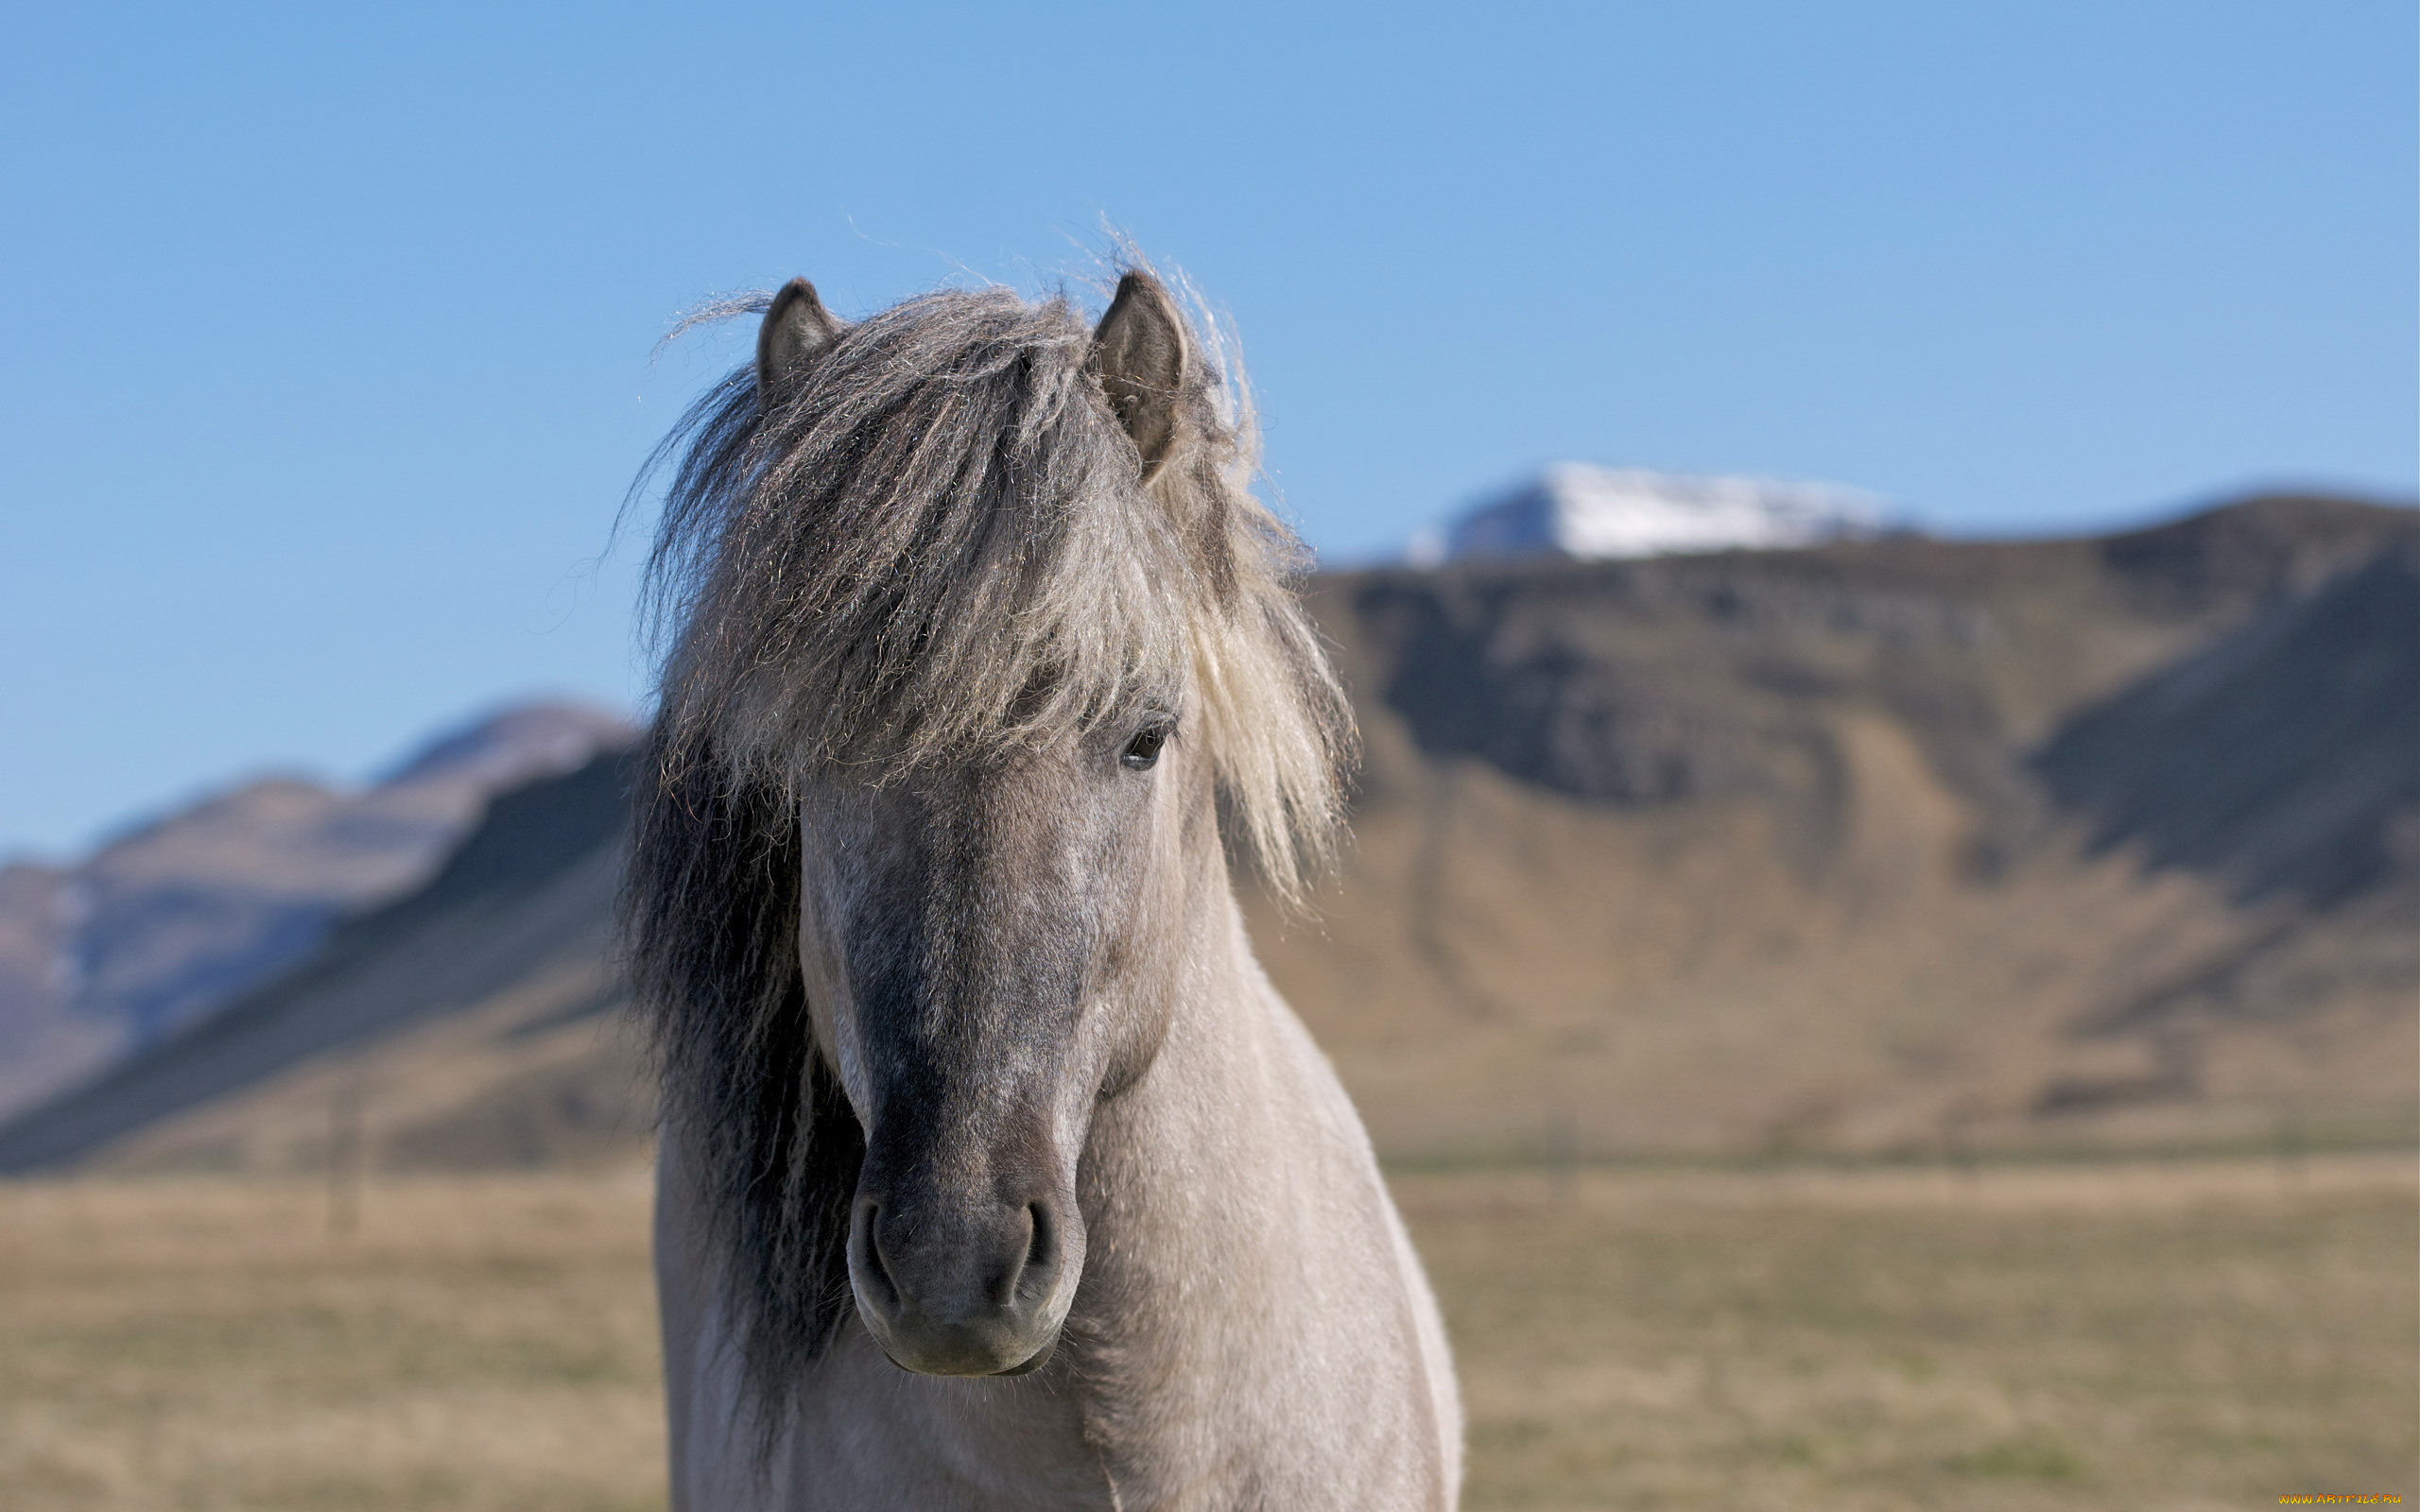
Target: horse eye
1144	749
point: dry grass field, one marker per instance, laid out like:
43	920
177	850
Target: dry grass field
2170	1336
210	1346
2151	1338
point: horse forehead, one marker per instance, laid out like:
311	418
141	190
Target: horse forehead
1014	802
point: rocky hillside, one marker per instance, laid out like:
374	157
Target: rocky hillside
182	913
1894	845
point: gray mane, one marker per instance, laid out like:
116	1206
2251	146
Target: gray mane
937	542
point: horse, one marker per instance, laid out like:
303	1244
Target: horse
992	1171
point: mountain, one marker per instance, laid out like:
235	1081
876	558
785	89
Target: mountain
1591	513
1882	845
177	915
1878	845
511	939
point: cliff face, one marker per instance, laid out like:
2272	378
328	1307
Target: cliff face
1892	843
1686	678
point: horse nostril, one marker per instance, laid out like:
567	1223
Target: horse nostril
1035	1274
873	1269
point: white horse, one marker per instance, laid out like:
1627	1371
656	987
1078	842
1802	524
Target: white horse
993	1171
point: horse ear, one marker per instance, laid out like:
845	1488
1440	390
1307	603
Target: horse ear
1139	350
795	329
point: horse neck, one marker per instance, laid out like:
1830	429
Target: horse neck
1187	1175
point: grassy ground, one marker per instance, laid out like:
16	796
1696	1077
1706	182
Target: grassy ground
2173	1336
478	1345
2159	1337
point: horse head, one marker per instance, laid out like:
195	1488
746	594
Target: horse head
984	641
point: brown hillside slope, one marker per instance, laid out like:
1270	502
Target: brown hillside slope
178	915
1887	845
1884	844
493	976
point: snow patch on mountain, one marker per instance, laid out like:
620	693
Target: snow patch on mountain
1588	512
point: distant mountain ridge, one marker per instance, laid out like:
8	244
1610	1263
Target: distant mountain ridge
528	897
1874	846
168	920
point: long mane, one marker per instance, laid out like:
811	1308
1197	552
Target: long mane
938	541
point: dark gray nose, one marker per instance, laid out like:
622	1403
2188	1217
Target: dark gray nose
961	1288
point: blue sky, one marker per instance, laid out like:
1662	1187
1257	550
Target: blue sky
331	328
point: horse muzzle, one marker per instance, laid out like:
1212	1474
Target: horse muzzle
959	1288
